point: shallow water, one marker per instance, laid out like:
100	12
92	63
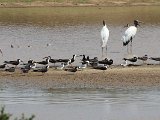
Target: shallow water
86	104
71	31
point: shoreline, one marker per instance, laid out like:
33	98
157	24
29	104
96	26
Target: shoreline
55	4
113	77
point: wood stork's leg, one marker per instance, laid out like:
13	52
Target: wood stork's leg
106	51
131	46
127	50
102	53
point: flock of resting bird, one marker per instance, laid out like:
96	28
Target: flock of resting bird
66	64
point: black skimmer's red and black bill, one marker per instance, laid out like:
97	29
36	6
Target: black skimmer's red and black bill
16	62
43	70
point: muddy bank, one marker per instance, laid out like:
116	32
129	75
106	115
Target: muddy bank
74	4
115	76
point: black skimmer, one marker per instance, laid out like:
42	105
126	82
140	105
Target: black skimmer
52	60
73	59
43	70
25	70
100	67
70	61
155	59
16	62
2	66
74	69
143	58
44	62
133	59
30	61
11	69
93	62
84	59
106	61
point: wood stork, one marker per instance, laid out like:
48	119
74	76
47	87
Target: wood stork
129	35
104	36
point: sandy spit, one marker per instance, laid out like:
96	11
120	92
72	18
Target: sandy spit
115	76
70	4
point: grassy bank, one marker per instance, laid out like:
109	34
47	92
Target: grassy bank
26	3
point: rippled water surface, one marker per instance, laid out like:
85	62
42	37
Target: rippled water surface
62	32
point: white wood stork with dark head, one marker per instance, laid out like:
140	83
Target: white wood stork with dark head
130	34
104	36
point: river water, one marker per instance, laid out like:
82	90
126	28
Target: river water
63	31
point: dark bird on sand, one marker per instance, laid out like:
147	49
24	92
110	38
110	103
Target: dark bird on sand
134	59
143	58
70	61
25	70
3	66
52	60
106	61
44	62
155	58
43	70
74	69
16	62
99	67
11	69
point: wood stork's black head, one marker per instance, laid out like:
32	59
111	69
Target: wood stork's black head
136	23
104	23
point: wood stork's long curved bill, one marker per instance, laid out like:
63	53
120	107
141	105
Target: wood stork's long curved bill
104	36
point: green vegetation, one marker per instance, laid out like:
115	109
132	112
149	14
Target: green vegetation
7	116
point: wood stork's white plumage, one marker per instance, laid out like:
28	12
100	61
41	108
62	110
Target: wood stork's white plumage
130	34
104	36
